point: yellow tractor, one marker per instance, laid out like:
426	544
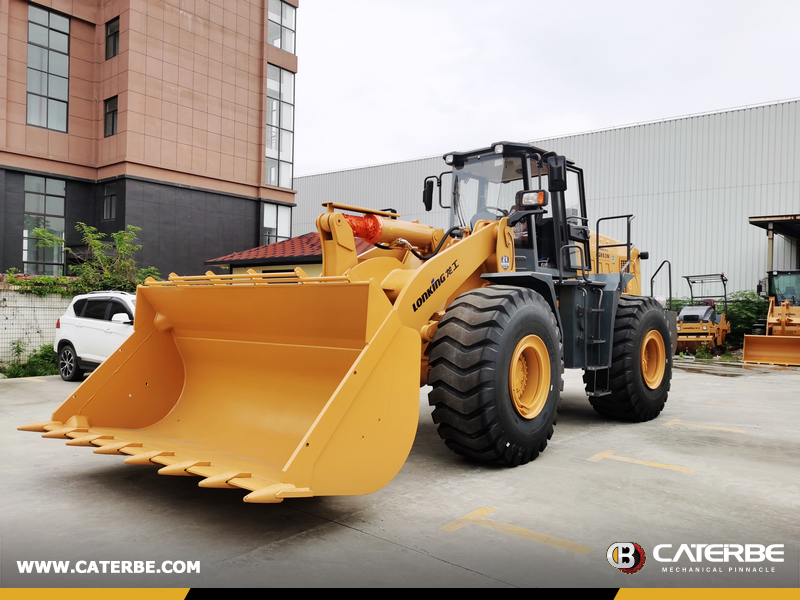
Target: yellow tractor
700	323
293	386
778	339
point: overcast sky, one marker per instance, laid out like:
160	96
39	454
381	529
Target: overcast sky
388	80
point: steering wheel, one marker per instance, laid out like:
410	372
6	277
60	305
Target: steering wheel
500	212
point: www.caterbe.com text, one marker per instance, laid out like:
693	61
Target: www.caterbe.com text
133	567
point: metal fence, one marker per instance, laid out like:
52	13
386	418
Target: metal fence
29	318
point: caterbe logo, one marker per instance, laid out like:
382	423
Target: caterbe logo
435	283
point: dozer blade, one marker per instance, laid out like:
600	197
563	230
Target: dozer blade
772	350
287	387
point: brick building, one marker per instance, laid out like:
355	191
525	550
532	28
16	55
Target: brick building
174	116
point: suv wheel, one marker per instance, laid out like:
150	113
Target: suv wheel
68	364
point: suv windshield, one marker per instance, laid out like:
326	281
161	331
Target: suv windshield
485	188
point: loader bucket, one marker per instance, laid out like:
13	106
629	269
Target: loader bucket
286	386
772	350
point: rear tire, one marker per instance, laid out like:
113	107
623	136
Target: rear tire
641	368
68	364
496	375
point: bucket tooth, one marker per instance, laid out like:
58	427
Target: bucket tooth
39	427
268	495
88	439
145	458
221	481
116	448
63	434
182	469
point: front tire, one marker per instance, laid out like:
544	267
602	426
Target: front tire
641	367
68	364
496	375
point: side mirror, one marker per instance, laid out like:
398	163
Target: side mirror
528	199
557	173
427	196
122	319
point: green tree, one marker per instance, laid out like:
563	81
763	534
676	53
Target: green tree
105	265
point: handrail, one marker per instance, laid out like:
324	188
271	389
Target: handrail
669	264
627	245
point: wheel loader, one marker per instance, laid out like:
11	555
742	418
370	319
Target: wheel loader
292	386
700	323
779	339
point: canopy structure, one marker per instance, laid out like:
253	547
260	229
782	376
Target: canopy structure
785	225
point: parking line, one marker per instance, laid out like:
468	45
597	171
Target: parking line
478	518
610	454
740	404
679	422
34	379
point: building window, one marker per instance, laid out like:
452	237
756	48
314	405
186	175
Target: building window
45	199
276	223
281	25
111	116
109	203
280	127
112	38
48	69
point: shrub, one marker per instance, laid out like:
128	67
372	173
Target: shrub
43	362
744	309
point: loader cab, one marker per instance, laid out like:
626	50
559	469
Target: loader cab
784	285
543	190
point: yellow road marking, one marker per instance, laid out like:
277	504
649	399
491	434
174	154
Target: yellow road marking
478	518
609	454
740	404
34	379
679	422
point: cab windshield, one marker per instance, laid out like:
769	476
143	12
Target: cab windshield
485	188
786	287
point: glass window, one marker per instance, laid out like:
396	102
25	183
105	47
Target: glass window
96	309
281	27
112	38
279	143
48	69
276	224
109	203
118	308
45	201
111	116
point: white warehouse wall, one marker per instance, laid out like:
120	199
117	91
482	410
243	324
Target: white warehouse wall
691	182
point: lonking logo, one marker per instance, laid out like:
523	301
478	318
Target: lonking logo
628	557
435	283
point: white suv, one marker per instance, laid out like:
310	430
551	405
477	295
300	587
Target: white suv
93	327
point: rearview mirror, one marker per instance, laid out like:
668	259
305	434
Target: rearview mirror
557	173
427	195
122	319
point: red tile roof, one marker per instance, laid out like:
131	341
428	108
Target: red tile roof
305	248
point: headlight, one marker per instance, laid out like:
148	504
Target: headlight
705	328
679	328
449	159
498	149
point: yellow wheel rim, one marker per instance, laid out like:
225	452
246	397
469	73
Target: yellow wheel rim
529	376
653	359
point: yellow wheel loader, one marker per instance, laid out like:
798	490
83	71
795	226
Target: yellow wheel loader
700	323
293	386
778	339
